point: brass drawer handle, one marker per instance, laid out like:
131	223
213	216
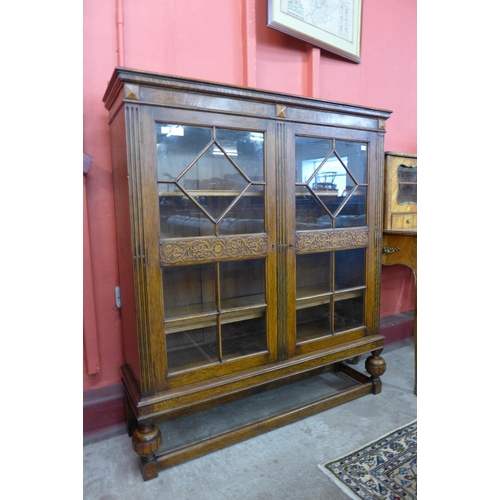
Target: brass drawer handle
388	250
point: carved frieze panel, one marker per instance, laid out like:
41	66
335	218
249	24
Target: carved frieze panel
316	241
211	249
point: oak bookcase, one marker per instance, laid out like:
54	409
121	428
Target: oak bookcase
249	229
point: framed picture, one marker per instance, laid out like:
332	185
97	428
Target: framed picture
333	25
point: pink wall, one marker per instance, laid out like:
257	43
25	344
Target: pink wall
226	41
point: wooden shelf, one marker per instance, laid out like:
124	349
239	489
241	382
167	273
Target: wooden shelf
312	292
315	296
351	293
205	315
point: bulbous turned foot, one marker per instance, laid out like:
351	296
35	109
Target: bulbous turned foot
375	366
146	441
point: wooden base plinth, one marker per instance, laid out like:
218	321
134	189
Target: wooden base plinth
147	437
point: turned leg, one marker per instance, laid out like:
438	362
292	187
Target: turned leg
375	366
146	441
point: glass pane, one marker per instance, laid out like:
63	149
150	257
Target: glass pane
314	275
350	269
178	226
341	185
242	283
314	293
407	187
179	214
240	338
354	156
407	174
177	146
213	174
325	221
313	322
407	193
247	215
192	348
353	213
246	149
349	313
309	153
188	290
308	210
331	177
335	181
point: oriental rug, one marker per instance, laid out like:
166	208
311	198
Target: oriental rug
385	469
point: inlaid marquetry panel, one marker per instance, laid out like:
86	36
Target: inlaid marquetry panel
335	239
198	250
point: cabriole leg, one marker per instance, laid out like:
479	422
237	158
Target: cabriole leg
146	441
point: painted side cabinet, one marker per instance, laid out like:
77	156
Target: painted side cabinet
249	229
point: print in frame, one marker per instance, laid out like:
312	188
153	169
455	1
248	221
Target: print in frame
333	25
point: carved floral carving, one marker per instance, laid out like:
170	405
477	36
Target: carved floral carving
208	249
312	241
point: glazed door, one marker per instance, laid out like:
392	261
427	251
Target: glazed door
214	228
329	236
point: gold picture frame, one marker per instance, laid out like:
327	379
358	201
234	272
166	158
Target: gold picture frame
333	25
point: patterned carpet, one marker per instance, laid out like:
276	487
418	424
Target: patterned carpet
383	470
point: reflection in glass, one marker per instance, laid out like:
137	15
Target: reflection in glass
353	212
354	156
348	313
180	216
242	283
178	226
189	290
193	318
331	176
314	274
334	198
330	183
314	295
350	268
210	181
246	149
177	146
247	214
313	322
309	153
213	172
192	348
407	184
241	338
307	209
